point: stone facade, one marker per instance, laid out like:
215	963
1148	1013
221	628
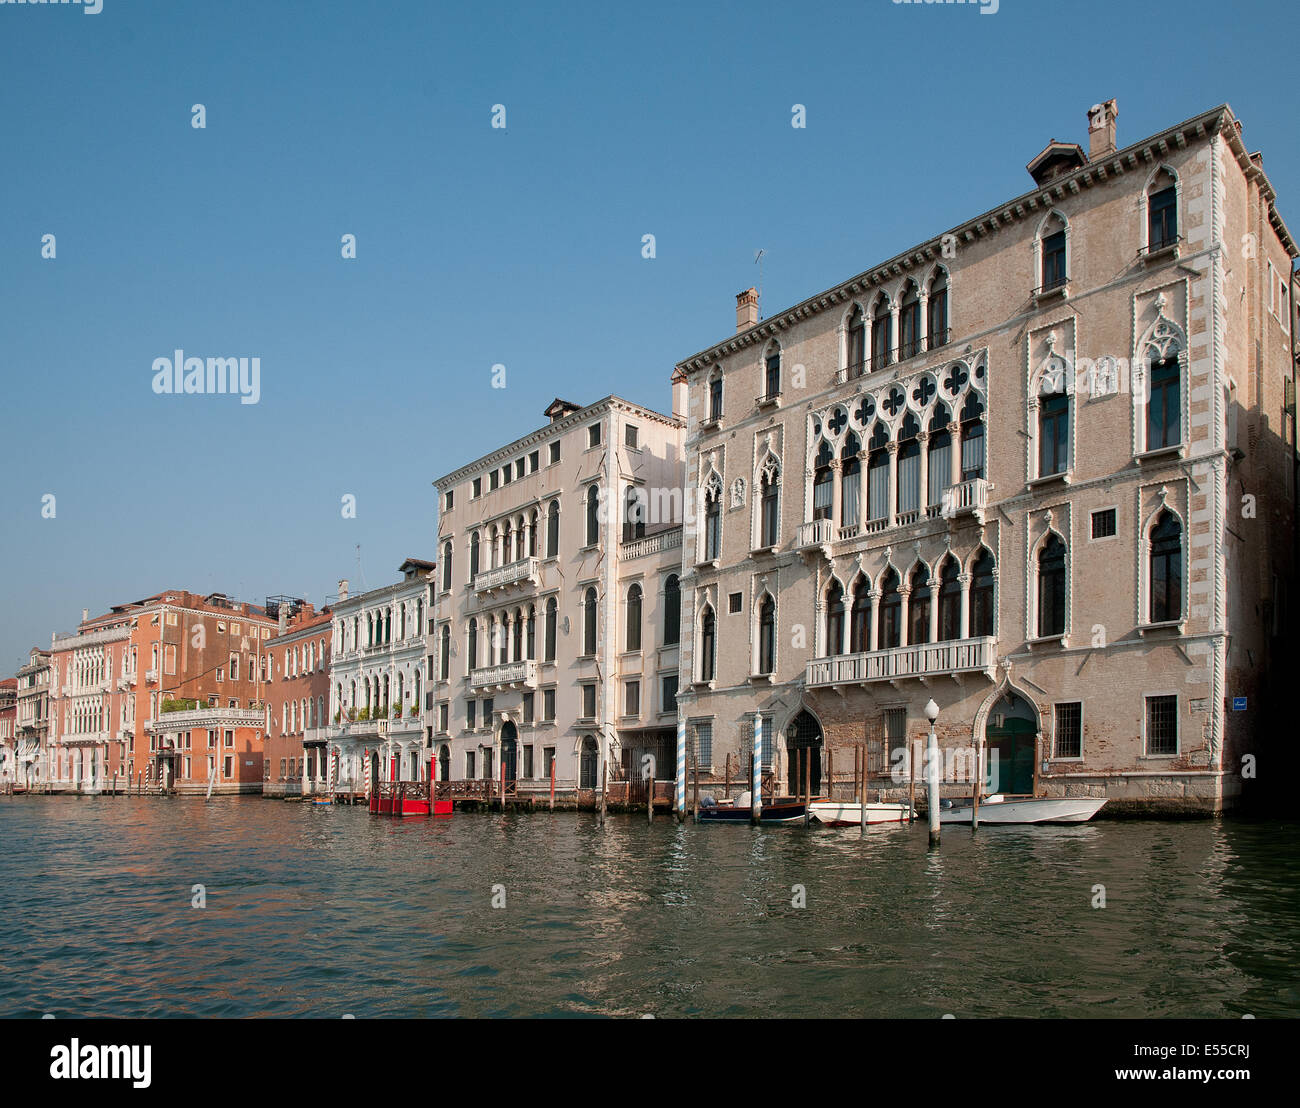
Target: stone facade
1040	468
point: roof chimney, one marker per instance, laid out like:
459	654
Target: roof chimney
1101	130
343	589
283	621
746	309
85	614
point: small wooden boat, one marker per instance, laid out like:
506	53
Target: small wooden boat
780	810
848	813
1023	809
321	801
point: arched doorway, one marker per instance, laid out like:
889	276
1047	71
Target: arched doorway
804	733
1011	732
587	764
509	749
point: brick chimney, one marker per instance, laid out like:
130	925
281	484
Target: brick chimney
1101	130
746	309
343	589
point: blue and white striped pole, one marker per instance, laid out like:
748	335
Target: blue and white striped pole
756	785
681	770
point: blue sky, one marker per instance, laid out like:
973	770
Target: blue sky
475	246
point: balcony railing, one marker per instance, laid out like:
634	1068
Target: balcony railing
508	675
151	676
652	544
957	656
820	532
525	569
967	496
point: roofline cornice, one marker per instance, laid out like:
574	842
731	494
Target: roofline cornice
1040	199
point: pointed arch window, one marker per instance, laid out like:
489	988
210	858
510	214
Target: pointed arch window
1162	212
1164	404
918	607
713	521
767	635
444	654
940	455
446	566
909	465
473	555
708	644
589	623
593	515
1166	569
850	480
891	611
834	619
878	474
972	438
634	618
553	529
769	517
672	610
552	618
856	343
938	310
882	335
1052	246
909	323
472	651
715	397
530	651
1053	433
517	636
860	617
823	494
949	601
1051	588
772	374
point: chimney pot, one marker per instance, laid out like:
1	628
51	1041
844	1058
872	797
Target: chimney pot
343	588
746	309
85	614
1101	130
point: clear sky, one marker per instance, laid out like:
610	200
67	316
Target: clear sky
475	246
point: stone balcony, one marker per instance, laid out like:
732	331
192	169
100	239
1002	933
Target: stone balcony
651	544
924	662
524	570
509	675
968	497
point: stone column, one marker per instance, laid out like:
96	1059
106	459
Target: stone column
892	448
837	495
964	579
923	497
934	609
874	594
904	613
954	429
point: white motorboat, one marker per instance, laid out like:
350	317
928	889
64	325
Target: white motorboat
1023	809
848	813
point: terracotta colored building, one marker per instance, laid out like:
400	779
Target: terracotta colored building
8	731
297	663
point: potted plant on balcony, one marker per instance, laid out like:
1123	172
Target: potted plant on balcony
397	711
414	711
363	714
337	714
352	715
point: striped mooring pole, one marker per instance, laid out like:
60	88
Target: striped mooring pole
681	770
756	782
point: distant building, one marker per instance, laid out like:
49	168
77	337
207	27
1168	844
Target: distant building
33	719
375	729
8	731
297	666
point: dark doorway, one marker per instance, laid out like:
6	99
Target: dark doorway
804	734
587	765
444	764
509	749
1011	733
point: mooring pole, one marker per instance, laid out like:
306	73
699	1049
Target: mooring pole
756	772
975	788
553	760
650	790
932	773
604	781
695	803
911	785
679	797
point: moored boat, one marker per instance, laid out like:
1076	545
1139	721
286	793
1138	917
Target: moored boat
779	810
1023	809
845	813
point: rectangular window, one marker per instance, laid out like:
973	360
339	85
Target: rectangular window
1068	739
469	764
444	711
478	487
1054	275
519	467
553	453
221	674
548	705
715	399
588	701
528	763
528	709
548	760
702	739
505	474
451	499
471	714
488	707
1103	523
772	377
1162	224
735	602
230	767
1162	725
1054	437
169	658
669	699
494	479
534	461
234	667
895	731
593	435
630	437
632	698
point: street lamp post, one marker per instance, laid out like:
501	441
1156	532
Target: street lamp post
932	772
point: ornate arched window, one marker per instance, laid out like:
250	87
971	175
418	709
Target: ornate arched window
918	607
713	519
672	610
909	323
553	529
939	447
891	611
850	480
1051	587
949	600
855	346
823	489
589	622
767	635
1053	427
634	617
1052	250
1166	577
909	465
530	650
834	618
878	474
772	372
769	496
882	334
715	395
708	644
860	617
972	438
1162	211
938	309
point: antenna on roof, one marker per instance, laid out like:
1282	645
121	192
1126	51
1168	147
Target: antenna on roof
758	261
361	576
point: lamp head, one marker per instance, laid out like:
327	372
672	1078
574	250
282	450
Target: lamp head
931	710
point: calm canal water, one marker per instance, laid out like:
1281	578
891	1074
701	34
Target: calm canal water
322	912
